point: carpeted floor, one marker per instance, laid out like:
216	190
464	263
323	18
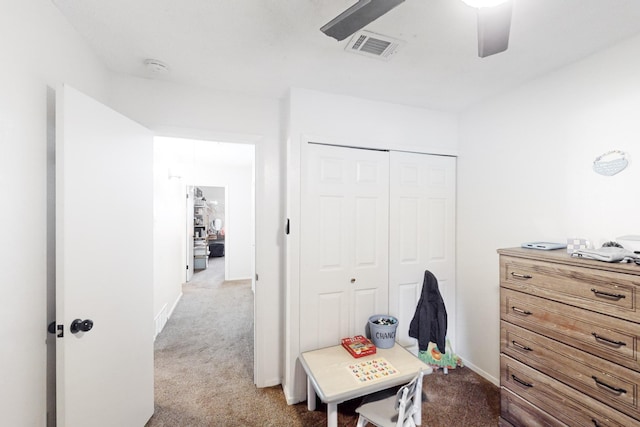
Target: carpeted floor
204	371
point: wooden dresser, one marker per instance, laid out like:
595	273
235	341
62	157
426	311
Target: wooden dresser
569	340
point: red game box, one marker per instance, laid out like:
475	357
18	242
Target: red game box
359	346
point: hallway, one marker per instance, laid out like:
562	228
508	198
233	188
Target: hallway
205	351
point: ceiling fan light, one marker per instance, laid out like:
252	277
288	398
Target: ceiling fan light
484	3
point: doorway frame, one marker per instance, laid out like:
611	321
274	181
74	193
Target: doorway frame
260	347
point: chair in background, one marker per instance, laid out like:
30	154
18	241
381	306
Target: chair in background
403	409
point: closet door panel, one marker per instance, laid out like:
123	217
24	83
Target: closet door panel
330	311
437	244
407	295
331	245
440	186
343	242
364	306
366	251
370	278
409	229
422	221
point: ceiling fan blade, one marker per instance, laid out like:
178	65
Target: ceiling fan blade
357	17
494	24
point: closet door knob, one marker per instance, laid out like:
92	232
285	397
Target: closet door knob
353	280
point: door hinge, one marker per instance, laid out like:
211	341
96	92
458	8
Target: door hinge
187	266
60	331
256	277
287	227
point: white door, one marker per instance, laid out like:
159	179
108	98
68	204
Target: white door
104	265
422	235
344	242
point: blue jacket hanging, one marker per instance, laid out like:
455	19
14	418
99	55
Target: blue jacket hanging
429	323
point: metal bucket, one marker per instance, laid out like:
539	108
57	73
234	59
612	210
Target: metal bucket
383	330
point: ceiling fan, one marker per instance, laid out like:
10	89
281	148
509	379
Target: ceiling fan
494	21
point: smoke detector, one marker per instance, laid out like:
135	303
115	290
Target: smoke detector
373	45
155	67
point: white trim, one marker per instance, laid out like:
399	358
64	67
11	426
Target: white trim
160	320
173	307
376	145
260	326
163	316
207	135
495	381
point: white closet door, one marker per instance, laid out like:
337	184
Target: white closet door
422	235
344	242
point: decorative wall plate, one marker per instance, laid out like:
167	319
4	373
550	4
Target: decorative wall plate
610	163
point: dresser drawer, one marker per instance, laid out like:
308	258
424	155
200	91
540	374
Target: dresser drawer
613	339
603	380
520	413
607	292
557	399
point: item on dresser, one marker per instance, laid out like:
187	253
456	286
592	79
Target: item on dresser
569	333
630	242
545	246
606	254
577	243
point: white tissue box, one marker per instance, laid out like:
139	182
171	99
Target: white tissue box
631	243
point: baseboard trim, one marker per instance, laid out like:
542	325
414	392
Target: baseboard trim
173	307
269	383
291	400
160	320
163	316
495	381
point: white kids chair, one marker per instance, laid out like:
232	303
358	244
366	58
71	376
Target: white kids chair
403	409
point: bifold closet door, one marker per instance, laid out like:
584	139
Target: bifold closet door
344	242
422	234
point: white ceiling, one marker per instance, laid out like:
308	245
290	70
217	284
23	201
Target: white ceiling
263	47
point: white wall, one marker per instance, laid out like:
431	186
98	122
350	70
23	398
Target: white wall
184	111
335	119
169	229
525	173
40	50
364	123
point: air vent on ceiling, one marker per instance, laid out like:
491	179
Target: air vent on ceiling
373	45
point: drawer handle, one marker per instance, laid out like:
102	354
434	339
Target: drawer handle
521	276
520	346
521	311
611	388
607	294
608	341
518	380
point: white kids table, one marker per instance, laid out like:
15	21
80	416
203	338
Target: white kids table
329	376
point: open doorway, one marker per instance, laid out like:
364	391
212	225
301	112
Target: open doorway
210	231
185	169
